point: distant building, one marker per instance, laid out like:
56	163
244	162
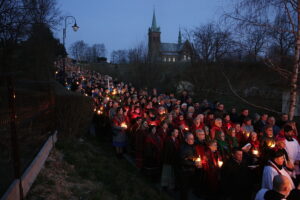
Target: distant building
167	52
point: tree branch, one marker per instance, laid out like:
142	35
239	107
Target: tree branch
244	100
259	24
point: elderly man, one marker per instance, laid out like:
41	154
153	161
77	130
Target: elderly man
187	156
281	189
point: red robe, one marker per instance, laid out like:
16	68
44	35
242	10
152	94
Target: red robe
153	151
214	131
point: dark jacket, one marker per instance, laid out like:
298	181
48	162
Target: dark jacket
187	154
235	177
170	153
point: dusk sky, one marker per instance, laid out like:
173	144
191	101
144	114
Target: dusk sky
122	24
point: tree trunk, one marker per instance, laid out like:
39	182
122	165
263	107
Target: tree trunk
294	77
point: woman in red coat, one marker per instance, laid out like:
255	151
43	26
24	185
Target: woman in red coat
153	153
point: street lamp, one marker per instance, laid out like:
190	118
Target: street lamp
75	28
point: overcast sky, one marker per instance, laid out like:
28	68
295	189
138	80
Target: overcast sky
122	24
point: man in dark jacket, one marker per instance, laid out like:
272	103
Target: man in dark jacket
187	165
235	177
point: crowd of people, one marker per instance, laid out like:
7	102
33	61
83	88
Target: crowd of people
216	152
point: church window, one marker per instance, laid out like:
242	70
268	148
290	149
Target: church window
169	59
174	59
165	59
189	58
184	57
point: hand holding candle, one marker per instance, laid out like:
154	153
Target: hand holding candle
124	125
198	162
220	163
255	152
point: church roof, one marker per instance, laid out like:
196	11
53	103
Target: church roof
170	47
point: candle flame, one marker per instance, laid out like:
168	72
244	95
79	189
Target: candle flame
124	125
220	163
255	152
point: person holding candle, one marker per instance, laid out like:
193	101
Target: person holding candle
200	146
119	134
187	155
211	166
267	143
227	123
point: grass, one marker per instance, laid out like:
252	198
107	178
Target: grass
91	171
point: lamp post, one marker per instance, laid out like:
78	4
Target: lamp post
75	28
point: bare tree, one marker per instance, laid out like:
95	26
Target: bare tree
253	42
211	43
138	54
262	14
282	43
119	56
79	50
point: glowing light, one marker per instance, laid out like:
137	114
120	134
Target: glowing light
255	152
198	161
124	125
220	163
271	144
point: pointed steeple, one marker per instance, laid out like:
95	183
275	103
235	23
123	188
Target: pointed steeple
179	37
154	26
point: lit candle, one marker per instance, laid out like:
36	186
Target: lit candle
99	112
255	152
247	134
124	125
198	161
186	128
85	94
271	144
56	72
220	163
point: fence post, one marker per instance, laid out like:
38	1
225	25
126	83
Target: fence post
13	131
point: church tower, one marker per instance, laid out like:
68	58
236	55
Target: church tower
154	41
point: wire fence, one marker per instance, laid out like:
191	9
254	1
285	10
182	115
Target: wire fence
26	121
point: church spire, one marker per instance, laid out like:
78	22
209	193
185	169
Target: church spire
179	37
154	27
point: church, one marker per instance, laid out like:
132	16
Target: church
167	52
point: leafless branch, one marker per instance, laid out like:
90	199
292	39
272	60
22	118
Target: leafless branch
244	100
258	24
